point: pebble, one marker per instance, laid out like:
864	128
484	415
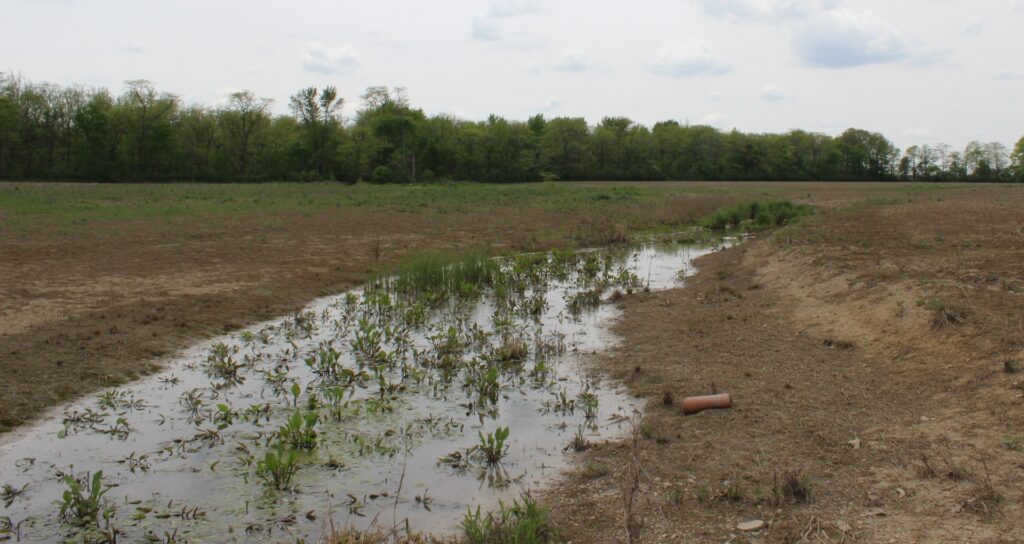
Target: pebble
752	525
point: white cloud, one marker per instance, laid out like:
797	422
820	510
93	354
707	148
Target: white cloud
130	46
765	10
687	59
771	93
973	26
1007	74
844	39
551	104
329	60
484	30
714	96
920	133
717	119
572	60
512	8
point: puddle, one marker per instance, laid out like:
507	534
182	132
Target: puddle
411	384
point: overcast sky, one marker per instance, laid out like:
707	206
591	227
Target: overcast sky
920	71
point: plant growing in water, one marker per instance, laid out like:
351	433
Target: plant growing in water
278	467
82	501
589	402
492	445
298	432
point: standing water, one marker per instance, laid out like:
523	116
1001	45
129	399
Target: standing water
407	401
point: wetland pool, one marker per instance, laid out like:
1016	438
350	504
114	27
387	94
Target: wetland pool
384	405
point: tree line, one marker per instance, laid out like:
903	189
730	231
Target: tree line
77	133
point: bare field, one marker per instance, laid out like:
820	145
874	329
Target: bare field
873	352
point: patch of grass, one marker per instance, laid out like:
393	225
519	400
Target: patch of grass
593	470
1014	443
756	215
437	276
522	522
33	205
374	535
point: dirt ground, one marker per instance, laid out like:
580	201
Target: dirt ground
876	357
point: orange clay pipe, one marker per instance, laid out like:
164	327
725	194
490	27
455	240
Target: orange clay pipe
692	405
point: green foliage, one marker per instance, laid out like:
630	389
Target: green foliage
522	522
82	501
278	467
437	276
73	133
492	445
298	432
756	215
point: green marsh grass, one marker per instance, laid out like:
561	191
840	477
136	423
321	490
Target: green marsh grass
522	522
756	215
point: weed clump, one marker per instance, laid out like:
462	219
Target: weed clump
948	316
522	522
792	487
756	215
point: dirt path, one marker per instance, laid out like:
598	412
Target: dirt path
856	385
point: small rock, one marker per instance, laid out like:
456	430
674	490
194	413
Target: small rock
874	512
855	443
752	525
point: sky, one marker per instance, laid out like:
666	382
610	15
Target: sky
919	71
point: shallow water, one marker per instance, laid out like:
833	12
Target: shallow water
194	471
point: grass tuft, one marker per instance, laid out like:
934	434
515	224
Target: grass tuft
756	215
522	522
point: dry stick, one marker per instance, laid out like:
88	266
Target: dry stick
398	494
634	523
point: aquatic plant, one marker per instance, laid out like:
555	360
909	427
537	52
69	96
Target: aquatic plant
484	384
325	362
221	364
82	501
589	402
586	299
9	493
298	432
492	445
278	466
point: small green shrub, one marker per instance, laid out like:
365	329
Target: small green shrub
382	174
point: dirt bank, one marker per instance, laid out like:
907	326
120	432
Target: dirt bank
867	352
